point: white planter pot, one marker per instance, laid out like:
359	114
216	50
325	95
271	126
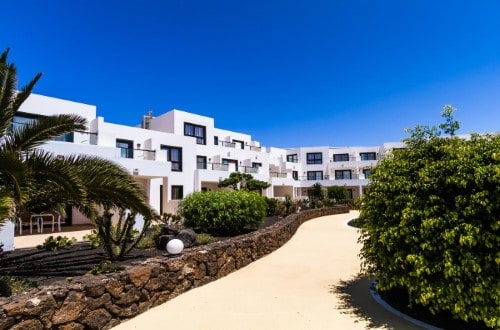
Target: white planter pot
7	235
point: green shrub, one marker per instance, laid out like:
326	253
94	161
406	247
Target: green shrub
227	212
104	267
205	239
10	285
272	206
54	244
432	224
337	193
93	239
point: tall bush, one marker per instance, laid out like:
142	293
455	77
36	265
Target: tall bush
228	212
432	223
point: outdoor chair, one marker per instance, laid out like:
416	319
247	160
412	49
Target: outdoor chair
56	218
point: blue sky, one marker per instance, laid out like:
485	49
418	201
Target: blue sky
290	73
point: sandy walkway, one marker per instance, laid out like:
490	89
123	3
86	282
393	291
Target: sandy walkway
309	283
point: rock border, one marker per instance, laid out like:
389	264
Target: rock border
104	301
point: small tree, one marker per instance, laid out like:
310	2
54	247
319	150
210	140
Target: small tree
243	181
432	226
316	195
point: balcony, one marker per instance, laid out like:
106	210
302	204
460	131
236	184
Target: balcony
220	167
227	144
255	148
249	169
277	175
137	153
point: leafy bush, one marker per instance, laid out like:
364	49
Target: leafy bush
205	239
54	244
227	212
10	285
337	193
272	206
104	267
432	226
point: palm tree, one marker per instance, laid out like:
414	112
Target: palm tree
33	179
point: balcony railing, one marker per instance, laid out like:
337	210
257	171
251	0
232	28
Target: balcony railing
220	167
277	175
255	148
227	144
137	153
249	169
347	177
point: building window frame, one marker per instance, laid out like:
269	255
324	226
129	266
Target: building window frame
197	131
126	147
343	174
314	175
367	156
293	158
340	157
201	162
314	158
366	173
176	192
174	156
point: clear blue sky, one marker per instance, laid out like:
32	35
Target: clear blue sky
290	73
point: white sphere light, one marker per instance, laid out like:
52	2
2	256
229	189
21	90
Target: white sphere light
175	246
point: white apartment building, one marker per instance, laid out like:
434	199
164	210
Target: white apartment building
177	153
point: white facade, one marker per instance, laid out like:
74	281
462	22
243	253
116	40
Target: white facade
181	153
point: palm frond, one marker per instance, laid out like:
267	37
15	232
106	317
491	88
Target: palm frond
54	182
14	176
35	133
110	185
6	208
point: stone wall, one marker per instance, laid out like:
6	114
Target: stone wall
103	301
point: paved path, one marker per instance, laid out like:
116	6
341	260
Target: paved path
309	283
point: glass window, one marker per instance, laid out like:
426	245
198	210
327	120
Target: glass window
241	143
199	132
295	175
366	172
341	157
314	158
126	147
177	192
368	156
174	155
314	175
216	140
256	164
343	175
201	162
292	158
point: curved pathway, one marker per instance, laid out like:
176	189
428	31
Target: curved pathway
310	283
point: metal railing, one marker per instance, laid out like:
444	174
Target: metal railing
249	169
255	148
227	144
220	167
277	175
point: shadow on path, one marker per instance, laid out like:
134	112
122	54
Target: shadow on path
355	298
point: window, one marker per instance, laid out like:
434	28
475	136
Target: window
256	164
368	156
177	192
343	175
20	120
314	158
126	147
201	162
341	157
241	143
226	161
314	175
216	140
174	155
295	175
292	158
366	172
195	130
161	199
349	193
